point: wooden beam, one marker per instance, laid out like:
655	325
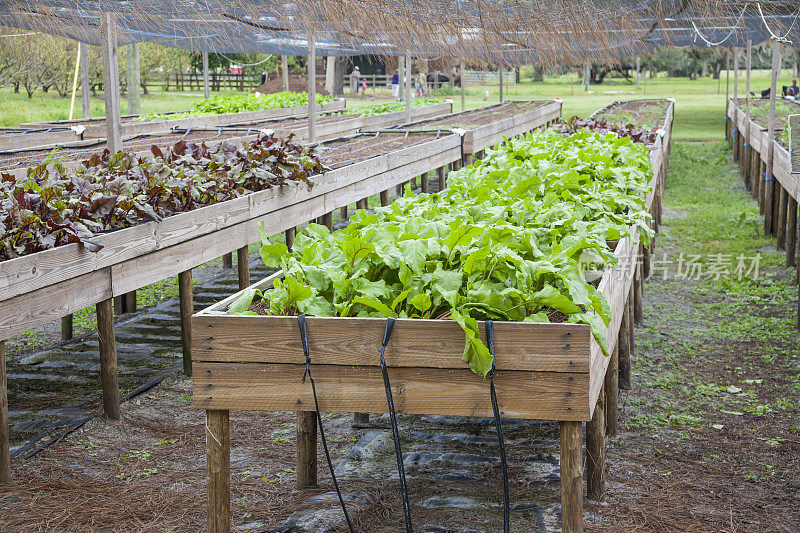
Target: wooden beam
5	444
108	47
243	266
362	204
770	178
187	309
727	94
440	172
596	450
500	75
746	137
612	389
385	198
360	418
291	234
218	471
326	220
306	467
571	452
735	125
66	327
108	358
85	84
638	314
206	88
312	88
285	73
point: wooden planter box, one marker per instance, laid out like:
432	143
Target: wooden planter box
482	137
97	130
33	139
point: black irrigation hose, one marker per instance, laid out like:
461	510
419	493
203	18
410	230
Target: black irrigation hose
301	320
499	429
398	453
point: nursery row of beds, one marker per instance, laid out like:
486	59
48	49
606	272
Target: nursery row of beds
40	287
544	371
776	193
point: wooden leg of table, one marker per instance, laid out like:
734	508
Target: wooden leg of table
291	233
646	258
66	328
361	418
361	204
227	260
129	299
108	358
343	212
791	231
783	201
769	203
762	191
623	349
612	389
5	444
638	314
423	180
187	310
571	477
596	450
441	175
306	449
243	265
218	471
385	198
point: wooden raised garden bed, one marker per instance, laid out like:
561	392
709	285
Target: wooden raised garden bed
18	139
544	371
486	126
96	128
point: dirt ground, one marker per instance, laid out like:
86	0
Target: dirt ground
709	440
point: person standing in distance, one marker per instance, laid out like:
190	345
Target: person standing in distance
395	84
354	78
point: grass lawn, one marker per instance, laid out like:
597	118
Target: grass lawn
698	114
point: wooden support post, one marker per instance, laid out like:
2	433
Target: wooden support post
398	190
291	233
133	78
791	232
66	328
735	125
327	220
500	76
108	358
631	335
646	255
5	444
441	174
385	198
727	95
783	201
312	88
748	149
463	87
218	471
469	159
227	260
571	477
306	466
776	195
638	70
206	88
108	42
770	178
85	85
285	73
360	418
361	204
343	212
129	302
596	450
624	343
638	314
187	309
243	265
423	182
762	189
408	89
611	387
